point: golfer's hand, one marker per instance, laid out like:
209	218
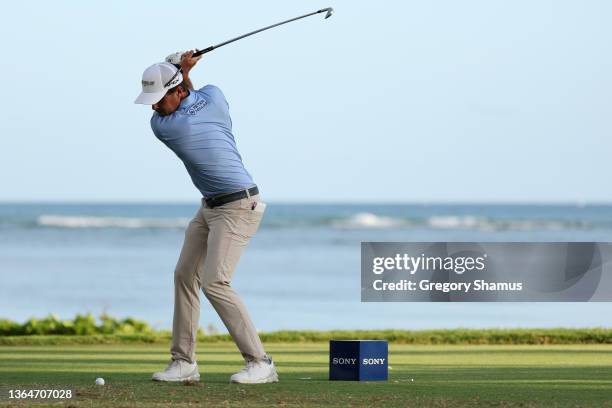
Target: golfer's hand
188	62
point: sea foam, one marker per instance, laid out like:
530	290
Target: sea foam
367	220
83	221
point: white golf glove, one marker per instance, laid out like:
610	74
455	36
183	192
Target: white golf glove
175	58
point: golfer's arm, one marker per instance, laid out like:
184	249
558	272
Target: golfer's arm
187	81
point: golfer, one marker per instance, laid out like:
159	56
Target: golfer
196	126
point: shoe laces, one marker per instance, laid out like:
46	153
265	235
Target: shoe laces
171	364
249	364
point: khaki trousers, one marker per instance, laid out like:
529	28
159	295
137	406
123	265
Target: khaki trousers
214	241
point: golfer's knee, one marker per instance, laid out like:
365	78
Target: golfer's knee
183	276
214	289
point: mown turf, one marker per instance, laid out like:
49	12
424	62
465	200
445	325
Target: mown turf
444	376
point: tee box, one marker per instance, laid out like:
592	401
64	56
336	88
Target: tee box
358	360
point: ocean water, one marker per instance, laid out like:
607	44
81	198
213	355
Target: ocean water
300	271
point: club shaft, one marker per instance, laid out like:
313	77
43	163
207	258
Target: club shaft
212	47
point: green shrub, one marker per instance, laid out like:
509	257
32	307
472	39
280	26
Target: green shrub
10	328
108	325
82	325
129	329
85	325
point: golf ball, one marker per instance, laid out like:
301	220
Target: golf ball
99	381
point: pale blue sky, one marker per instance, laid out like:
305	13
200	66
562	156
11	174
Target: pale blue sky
410	101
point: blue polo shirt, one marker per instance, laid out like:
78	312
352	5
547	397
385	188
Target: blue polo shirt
200	134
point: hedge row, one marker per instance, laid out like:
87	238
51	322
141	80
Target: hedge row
85	329
454	336
83	325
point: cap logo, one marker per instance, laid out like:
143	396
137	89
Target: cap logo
173	82
148	83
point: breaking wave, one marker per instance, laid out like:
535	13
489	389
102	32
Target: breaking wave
360	220
367	220
62	221
454	222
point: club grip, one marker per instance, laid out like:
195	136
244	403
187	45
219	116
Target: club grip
204	51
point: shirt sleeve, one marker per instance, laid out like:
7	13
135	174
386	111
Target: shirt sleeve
156	128
169	129
215	95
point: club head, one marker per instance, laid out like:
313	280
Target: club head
329	13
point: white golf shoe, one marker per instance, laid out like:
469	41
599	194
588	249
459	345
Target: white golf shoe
178	370
256	372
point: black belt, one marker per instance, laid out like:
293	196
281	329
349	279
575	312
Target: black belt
219	200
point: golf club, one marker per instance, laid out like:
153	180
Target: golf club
176	57
328	12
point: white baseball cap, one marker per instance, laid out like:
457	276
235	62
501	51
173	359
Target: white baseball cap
156	81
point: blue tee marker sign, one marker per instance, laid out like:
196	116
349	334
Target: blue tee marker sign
358	360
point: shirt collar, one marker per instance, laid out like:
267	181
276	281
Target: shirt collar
189	100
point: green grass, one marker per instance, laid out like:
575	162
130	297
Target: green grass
444	376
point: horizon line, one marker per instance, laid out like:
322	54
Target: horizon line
578	203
